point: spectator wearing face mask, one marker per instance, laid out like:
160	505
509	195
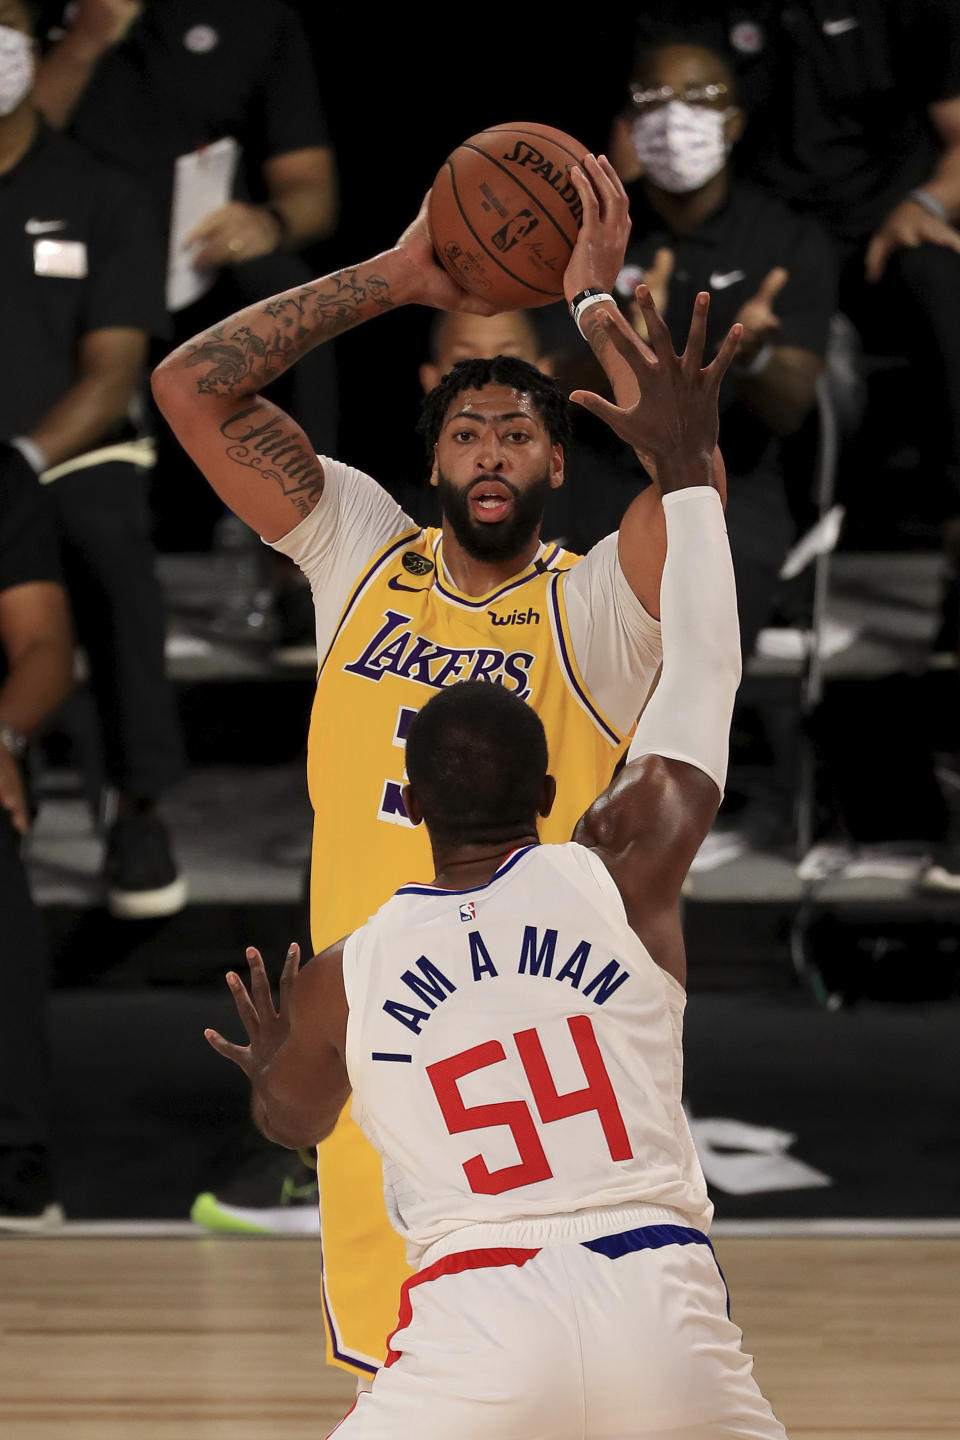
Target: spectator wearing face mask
696	226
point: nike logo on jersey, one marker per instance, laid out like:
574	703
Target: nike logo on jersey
840	27
394	584
720	279
397	650
44	227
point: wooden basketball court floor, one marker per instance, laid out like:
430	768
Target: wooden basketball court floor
217	1338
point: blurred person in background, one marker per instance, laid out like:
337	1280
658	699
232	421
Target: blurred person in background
82	271
216	106
36	673
697	226
856	120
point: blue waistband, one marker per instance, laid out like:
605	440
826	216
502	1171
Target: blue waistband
647	1237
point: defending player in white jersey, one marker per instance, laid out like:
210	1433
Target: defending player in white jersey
511	1032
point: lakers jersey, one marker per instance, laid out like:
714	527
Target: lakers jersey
515	1054
406	633
401	632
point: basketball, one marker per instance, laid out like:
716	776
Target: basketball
504	213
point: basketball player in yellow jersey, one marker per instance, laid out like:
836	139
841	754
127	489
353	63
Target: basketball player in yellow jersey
403	612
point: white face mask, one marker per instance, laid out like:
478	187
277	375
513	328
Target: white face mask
680	146
16	68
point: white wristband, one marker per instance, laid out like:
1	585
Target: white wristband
31	452
585	305
931	204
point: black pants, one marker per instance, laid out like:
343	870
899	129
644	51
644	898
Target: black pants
761	531
103	521
24	1063
915	309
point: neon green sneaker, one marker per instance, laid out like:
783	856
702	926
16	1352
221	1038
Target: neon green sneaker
275	1193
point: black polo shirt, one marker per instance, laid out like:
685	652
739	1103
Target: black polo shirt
730	254
29	550
60	207
191	72
836	94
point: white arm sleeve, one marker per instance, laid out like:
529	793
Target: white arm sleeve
688	717
353	519
615	642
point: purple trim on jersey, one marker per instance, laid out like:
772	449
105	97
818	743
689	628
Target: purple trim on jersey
438	890
545	561
332	1329
567	663
407	538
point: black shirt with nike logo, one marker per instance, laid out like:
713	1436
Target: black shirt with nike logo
79	251
730	255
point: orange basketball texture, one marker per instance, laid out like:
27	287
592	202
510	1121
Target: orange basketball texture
504	213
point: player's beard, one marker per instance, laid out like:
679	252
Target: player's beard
500	539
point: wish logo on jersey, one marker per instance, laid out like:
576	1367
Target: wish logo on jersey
397	650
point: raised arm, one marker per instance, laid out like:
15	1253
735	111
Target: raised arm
255	456
649	823
596	261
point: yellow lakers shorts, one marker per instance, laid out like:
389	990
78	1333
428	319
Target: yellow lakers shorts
364	1260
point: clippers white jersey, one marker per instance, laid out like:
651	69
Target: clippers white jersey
515	1055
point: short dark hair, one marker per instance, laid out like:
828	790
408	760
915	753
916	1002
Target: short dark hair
476	757
548	399
705	35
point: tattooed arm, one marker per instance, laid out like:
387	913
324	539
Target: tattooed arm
255	456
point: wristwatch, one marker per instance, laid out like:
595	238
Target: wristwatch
13	740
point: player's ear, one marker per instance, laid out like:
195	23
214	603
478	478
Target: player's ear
548	794
555	472
434	472
414	814
430	377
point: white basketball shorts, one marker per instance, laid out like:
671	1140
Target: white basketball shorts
626	1337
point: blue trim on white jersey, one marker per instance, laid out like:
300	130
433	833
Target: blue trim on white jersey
647	1237
438	892
654	1237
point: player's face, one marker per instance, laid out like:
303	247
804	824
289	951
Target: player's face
494	467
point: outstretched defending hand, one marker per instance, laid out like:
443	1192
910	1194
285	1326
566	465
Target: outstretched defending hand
673	425
432	285
266	1027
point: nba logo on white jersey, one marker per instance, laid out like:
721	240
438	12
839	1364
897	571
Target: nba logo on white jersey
468	912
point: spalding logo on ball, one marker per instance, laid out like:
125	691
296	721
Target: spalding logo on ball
504	213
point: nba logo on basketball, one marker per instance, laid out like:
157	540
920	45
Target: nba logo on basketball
514	230
468	912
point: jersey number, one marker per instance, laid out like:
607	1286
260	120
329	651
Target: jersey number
597	1095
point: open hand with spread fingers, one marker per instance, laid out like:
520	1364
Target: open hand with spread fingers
267	1028
673	425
